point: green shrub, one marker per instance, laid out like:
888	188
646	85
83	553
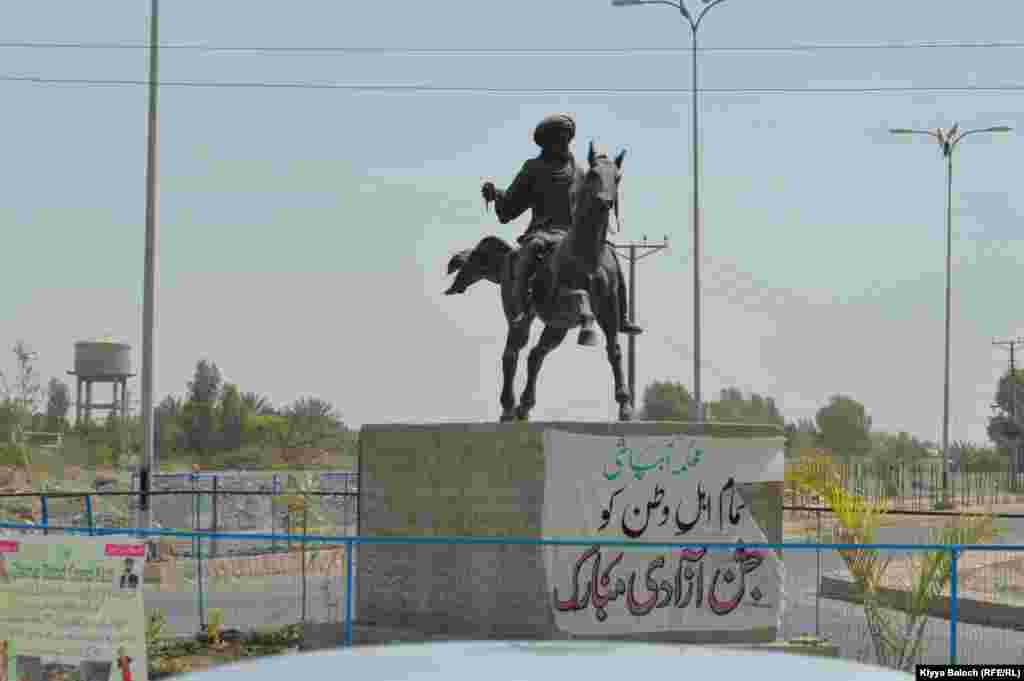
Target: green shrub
11	455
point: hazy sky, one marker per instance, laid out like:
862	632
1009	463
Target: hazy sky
303	234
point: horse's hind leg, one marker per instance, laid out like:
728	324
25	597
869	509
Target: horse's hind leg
515	341
550	339
609	322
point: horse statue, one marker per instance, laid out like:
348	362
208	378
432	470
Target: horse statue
576	284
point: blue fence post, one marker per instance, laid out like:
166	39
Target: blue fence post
197	549
45	513
274	483
954	552
349	544
88	514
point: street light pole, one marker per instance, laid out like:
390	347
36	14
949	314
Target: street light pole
948	140
693	19
149	281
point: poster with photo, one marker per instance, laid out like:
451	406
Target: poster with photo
71	609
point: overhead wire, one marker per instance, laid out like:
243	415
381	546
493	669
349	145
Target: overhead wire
419	51
426	88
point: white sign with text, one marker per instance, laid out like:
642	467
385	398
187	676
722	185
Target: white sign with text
668	488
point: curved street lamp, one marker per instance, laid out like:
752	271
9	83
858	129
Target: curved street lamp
693	19
948	141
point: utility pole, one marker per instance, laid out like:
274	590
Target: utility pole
634	252
1015	447
149	281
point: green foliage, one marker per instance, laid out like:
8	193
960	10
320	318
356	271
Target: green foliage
58	403
156	625
246	457
257	404
286	637
666	401
199	412
24	390
270	429
310	420
13	417
102	455
13	455
897	637
215	625
206	383
900	448
232	417
845	427
800	436
733	407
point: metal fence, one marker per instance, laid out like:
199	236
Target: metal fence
991	586
954	634
916	486
226	542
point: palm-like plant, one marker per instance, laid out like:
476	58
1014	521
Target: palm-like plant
897	646
296	500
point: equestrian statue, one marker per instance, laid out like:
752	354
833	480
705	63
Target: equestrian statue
564	272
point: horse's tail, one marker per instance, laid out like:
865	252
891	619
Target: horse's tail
459	261
485	261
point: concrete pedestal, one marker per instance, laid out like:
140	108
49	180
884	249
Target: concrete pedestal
487	480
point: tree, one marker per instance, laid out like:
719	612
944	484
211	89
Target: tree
310	420
58	403
666	401
21	397
1003	428
168	423
232	415
801	436
900	448
203	392
968	456
206	383
733	407
257	405
845	427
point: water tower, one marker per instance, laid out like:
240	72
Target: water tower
102	361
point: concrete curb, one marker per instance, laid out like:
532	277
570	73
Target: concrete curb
969	611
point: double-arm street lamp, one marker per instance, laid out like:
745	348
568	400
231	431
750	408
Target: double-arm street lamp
948	141
693	19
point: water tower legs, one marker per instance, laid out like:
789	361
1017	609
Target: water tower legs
88	401
84	405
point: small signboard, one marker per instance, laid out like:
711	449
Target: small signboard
74	604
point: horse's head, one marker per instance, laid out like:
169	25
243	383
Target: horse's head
599	195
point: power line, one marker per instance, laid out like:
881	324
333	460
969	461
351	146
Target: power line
422	88
420	51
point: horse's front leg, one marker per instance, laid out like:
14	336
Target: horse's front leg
609	322
515	341
550	339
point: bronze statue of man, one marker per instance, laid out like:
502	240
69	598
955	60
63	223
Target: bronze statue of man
546	185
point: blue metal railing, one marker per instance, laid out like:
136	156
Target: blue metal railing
349	542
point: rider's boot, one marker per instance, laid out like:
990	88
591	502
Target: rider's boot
521	293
